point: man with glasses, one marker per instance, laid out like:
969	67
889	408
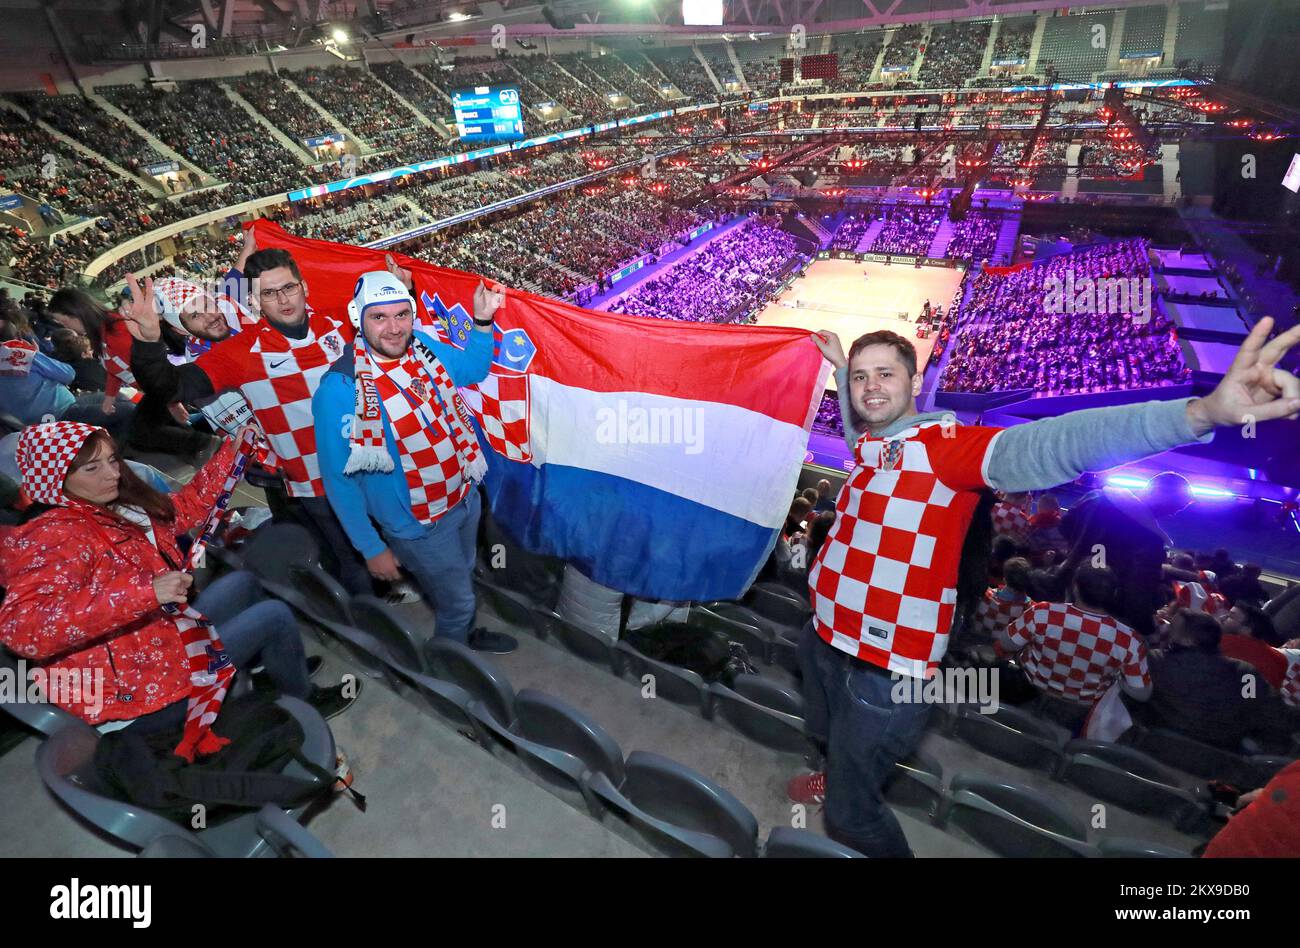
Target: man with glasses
276	365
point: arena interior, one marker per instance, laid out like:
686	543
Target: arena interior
823	165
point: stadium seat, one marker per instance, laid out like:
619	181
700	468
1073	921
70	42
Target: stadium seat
671	682
785	654
324	601
1013	820
756	639
1136	782
65	763
1010	735
584	644
1263	767
9	424
917	784
778	603
514	609
764	712
462	666
285	836
271	552
1121	847
558	743
787	843
681	811
43	718
399	635
1193	757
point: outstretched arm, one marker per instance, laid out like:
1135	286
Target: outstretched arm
1053	451
831	347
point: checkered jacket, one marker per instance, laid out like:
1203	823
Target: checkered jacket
278	377
1074	654
883	586
993	614
1010	521
1291	683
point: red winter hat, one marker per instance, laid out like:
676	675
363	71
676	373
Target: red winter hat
45	452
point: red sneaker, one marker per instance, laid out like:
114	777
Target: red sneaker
807	789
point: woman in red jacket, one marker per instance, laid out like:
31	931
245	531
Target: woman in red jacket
88	577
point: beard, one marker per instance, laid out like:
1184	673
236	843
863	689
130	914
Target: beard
387	351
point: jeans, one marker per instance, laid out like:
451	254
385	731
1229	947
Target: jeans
849	704
442	562
254	631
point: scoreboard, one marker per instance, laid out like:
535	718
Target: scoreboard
488	112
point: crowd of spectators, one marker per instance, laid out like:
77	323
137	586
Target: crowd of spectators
363	105
286	109
974	237
908	230
722	282
851	231
81	119
953	54
1010	340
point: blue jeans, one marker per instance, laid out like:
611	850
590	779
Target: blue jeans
442	562
254	631
848	703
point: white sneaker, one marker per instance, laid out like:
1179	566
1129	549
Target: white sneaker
402	593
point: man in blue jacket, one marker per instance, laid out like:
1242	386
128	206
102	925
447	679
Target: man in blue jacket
396	445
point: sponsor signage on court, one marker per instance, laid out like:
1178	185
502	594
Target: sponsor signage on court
334	138
703	229
628	270
163	167
10	201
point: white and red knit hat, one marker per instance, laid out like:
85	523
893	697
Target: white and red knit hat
173	295
1195	596
45	452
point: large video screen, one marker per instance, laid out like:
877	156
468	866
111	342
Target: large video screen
488	113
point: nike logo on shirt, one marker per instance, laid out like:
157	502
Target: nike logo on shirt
276	365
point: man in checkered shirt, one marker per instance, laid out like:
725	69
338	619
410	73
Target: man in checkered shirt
276	365
393	451
883	587
1076	650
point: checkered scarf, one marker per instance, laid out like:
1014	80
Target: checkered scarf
368	451
45	452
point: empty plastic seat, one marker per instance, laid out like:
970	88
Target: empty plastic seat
65	763
1120	847
1010	735
1136	782
1012	820
785	842
461	665
399	635
917	784
764	712
1264	767
283	834
272	551
680	810
778	603
587	645
513	608
42	717
671	682
785	654
1193	757
323	599
757	640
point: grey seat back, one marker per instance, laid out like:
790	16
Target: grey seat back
787	843
679	795
460	665
1013	820
400	636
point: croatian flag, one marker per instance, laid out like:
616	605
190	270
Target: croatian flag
658	457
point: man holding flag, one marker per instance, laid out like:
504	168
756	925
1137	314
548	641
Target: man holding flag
396	445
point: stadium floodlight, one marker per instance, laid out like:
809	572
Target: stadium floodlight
340	35
458	17
702	12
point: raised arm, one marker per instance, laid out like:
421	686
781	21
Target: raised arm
833	350
1052	451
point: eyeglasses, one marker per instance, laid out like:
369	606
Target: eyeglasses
286	292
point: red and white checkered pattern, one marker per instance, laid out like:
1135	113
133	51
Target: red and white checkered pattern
993	614
434	470
1009	521
278	377
1077	654
16	357
883	587
44	454
1291	683
501	404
